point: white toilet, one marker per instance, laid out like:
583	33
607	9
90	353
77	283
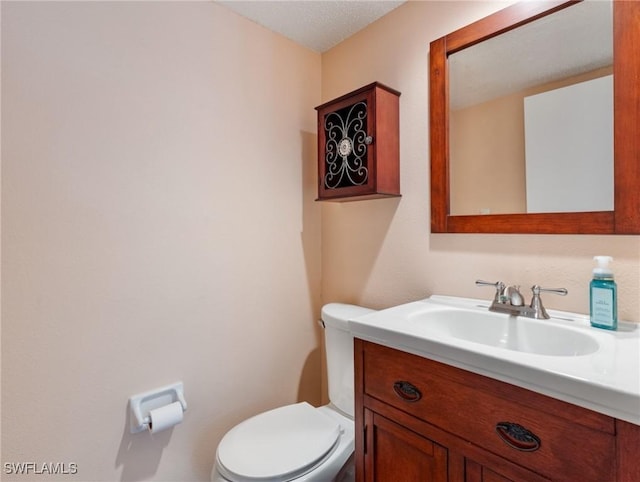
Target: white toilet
300	442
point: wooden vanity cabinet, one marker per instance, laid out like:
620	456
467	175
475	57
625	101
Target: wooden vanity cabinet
421	420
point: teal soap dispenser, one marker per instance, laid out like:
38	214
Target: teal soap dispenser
603	296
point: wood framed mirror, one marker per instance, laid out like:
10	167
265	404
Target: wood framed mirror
624	216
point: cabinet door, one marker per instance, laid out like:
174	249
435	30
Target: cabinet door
396	454
345	136
475	472
359	146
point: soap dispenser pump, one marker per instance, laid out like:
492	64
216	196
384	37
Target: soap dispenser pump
603	295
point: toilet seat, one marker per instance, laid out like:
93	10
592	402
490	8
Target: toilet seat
278	445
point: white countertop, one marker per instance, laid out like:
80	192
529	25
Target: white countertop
606	381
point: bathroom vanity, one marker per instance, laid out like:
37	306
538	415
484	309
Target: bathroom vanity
434	406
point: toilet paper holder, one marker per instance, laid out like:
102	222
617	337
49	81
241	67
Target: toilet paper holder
140	405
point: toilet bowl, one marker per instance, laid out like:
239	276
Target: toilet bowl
300	442
295	442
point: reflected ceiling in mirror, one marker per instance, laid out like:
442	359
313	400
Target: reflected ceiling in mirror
570	42
531	117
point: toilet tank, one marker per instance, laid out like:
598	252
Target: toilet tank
339	353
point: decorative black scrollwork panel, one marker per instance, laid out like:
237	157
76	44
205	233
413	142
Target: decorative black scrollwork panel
346	147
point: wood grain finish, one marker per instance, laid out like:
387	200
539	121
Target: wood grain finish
628	451
626	134
625	219
398	455
459	411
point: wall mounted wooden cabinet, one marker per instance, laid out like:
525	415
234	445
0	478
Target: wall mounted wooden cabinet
359	145
418	419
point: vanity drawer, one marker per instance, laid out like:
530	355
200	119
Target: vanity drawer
553	438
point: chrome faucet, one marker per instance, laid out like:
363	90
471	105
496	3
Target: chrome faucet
508	299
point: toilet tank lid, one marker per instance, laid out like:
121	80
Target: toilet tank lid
338	314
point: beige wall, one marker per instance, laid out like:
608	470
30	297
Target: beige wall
380	253
487	170
159	224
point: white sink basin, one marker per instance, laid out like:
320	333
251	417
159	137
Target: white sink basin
503	331
563	357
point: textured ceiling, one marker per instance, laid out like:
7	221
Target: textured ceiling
317	25
572	41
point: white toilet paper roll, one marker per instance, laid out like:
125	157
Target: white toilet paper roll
165	417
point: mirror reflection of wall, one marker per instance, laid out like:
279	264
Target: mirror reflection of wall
569	133
488	86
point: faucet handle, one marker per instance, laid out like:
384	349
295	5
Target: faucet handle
536	301
558	291
498	285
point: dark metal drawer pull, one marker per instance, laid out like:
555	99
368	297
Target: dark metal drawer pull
407	391
517	436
